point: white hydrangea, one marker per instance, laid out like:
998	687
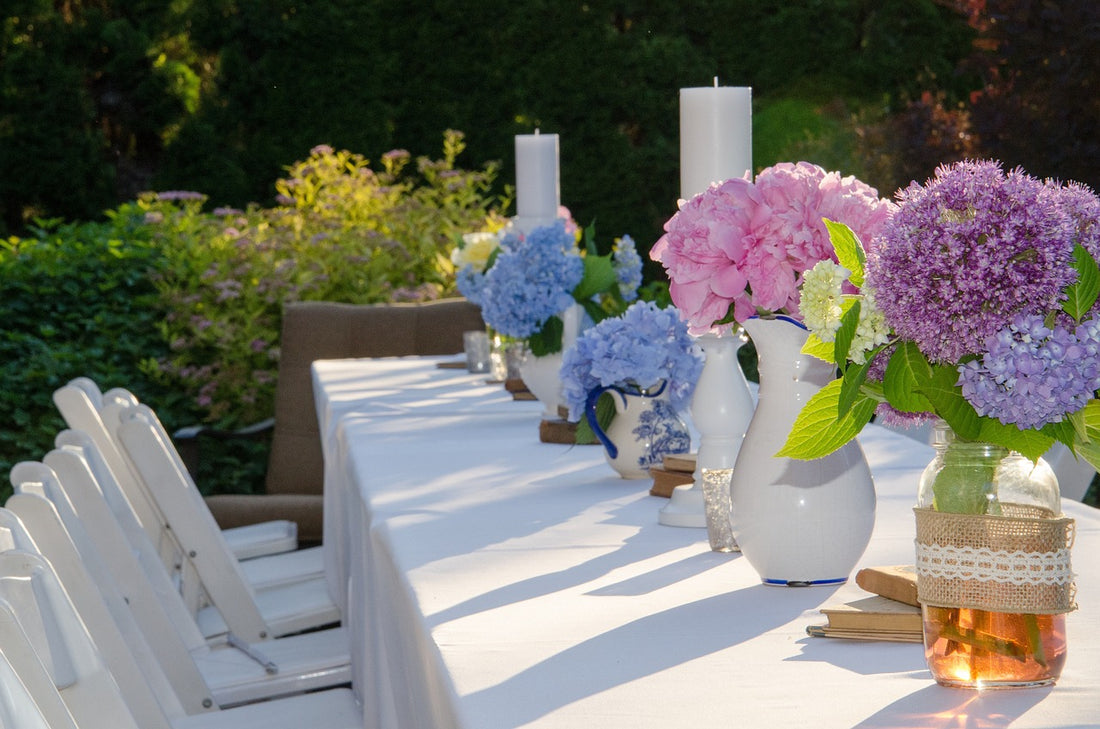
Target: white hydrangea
822	297
872	329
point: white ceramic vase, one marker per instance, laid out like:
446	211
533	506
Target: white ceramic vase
542	375
796	522
644	430
720	410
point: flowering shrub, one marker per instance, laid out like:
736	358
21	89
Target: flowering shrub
638	350
341	232
984	286
740	248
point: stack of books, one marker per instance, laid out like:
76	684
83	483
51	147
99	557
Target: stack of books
675	470
891	612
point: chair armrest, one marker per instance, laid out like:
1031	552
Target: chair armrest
307	510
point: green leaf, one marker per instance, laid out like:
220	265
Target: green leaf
590	239
851	387
1089	448
815	347
548	339
849	251
849	321
599	276
594	310
605	413
1070	431
963	483
948	402
818	431
1031	444
1082	294
907	370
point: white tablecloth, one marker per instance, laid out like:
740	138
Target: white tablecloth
496	581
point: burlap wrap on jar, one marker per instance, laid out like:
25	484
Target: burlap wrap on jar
1016	563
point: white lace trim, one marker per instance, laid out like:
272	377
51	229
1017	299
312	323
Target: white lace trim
989	565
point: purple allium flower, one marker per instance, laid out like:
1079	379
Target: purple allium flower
1033	374
886	414
643	347
1083	208
965	253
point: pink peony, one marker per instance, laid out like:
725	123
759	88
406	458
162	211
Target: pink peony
741	247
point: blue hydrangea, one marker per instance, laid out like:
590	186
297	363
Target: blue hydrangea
1033	374
641	348
532	280
470	283
628	267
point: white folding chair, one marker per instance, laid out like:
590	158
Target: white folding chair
252	615
18	706
77	526
291	565
80	403
28	699
35	608
260	572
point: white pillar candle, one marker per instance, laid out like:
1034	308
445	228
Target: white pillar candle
715	136
538	193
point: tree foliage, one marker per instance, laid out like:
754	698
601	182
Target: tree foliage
219	95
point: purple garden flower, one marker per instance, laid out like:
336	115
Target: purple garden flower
966	252
1033	374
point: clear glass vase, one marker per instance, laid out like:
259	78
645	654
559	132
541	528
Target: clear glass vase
966	646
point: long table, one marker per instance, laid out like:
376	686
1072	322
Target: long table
490	580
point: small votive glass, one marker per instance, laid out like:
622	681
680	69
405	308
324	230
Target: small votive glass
476	345
716	503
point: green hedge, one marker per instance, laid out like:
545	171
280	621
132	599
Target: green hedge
184	306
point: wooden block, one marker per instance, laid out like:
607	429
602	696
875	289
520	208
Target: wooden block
523	395
664	481
557	431
897	582
456	365
515	384
682	462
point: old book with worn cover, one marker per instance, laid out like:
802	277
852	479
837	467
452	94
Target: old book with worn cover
897	582
870	618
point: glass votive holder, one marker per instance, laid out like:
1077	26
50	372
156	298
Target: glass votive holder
716	504
476	345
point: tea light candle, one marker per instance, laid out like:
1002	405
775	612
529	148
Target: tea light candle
537	186
715	136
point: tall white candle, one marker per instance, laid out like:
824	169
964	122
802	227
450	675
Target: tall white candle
538	192
715	136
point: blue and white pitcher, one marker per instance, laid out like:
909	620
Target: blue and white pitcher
645	429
